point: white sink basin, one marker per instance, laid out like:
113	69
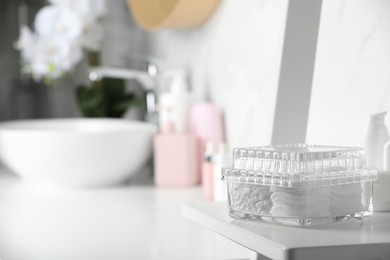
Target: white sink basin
75	152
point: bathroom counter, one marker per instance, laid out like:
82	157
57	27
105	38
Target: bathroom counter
349	240
136	221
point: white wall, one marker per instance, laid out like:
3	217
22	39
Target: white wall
236	58
352	74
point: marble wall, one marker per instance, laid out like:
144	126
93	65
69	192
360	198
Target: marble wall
352	74
235	59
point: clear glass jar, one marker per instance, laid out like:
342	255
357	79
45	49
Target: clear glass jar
299	184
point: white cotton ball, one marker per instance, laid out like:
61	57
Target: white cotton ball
253	199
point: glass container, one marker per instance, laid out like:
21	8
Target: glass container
299	184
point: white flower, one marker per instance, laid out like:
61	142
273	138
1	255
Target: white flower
26	42
60	22
62	30
88	12
92	9
26	38
53	57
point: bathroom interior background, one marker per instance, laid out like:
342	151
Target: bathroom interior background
234	60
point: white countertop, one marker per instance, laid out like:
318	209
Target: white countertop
353	239
137	221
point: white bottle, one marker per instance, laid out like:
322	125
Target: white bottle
381	192
181	102
174	102
386	157
376	136
165	114
220	161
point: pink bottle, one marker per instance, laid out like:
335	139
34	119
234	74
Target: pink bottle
175	149
206	123
175	160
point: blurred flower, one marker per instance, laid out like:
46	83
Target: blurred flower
88	9
59	22
62	30
53	57
26	42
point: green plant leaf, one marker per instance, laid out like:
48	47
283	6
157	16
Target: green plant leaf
91	101
106	98
126	104
114	89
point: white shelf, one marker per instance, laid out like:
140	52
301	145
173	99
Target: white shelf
355	239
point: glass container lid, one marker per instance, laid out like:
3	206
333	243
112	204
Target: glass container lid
294	164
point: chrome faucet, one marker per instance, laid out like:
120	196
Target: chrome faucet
147	79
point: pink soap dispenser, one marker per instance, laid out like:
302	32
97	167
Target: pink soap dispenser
175	160
175	149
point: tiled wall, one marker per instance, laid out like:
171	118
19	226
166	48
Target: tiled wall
17	100
8	56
